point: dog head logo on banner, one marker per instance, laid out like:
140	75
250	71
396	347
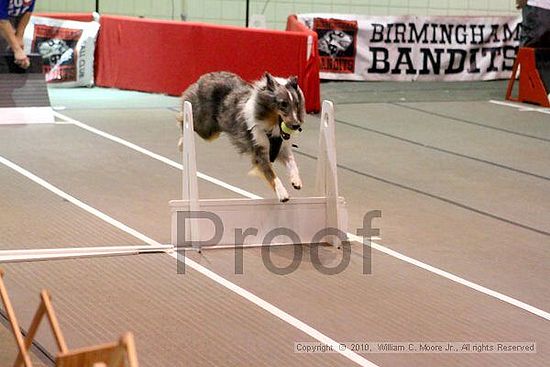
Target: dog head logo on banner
56	46
337	44
67	48
334	43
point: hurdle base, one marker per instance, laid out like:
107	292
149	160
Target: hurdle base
26	115
24	97
303	216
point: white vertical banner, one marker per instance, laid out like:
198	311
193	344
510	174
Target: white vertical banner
409	48
67	48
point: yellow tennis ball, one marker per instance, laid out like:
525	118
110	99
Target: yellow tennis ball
286	129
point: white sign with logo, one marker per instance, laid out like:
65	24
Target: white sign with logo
67	48
354	47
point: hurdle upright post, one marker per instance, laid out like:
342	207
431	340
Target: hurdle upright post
189	184
327	176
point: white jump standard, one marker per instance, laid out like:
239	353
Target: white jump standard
261	220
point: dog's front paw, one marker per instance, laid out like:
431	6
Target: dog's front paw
282	195
296	182
281	192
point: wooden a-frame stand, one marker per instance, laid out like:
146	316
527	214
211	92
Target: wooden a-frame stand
304	216
116	354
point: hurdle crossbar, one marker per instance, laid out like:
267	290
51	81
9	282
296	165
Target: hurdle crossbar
10	256
223	221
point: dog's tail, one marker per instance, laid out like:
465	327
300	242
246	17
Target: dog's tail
204	124
208	130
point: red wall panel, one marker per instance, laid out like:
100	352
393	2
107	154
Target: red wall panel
166	56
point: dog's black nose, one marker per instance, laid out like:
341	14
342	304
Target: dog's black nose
296	127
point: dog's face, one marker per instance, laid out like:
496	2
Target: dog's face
288	100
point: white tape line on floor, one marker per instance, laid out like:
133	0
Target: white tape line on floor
522	107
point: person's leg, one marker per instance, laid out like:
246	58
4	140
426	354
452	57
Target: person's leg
4	68
528	26
4	51
541	19
6	55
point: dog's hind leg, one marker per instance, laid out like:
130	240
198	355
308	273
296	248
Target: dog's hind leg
262	167
287	157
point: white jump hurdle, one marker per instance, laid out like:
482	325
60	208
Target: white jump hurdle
305	216
24	97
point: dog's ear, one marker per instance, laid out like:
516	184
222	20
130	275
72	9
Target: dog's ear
293	82
269	81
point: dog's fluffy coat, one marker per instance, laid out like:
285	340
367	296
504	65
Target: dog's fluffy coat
251	115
